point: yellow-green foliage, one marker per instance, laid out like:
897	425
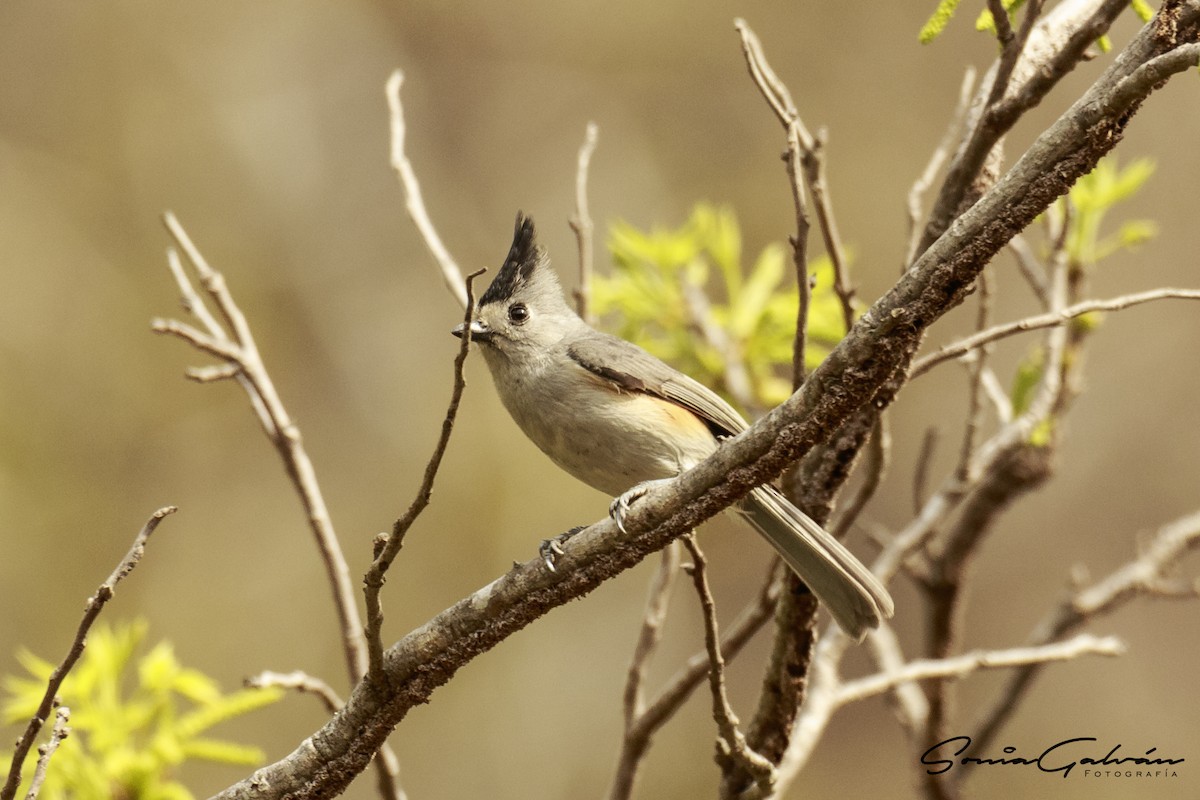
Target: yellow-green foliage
945	9
646	300
1091	198
134	719
1084	208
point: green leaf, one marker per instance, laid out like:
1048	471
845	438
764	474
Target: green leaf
1143	10
1028	376
937	21
749	304
224	752
985	21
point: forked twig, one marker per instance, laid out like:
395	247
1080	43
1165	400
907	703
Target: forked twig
230	339
91	611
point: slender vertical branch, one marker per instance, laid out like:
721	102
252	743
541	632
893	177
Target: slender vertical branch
975	389
414	202
811	151
732	749
389	548
936	160
655	713
799	243
581	223
91	611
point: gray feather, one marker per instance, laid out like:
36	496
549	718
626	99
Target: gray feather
849	590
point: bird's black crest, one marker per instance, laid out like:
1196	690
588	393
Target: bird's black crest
523	258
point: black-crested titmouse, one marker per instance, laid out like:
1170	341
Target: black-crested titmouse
617	418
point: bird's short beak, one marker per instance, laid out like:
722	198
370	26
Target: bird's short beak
479	331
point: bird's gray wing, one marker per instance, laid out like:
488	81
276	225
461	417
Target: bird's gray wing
629	368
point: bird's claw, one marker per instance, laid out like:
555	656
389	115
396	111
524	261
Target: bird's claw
551	549
619	507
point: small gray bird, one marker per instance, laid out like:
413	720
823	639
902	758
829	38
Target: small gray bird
619	419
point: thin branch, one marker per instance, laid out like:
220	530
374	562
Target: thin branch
684	682
581	222
878	456
936	160
91	611
732	750
1031	269
1047	320
960	666
657	601
374	579
1012	44
243	360
299	681
799	244
635	742
811	149
920	492
735	375
975	390
59	732
413	201
237	347
1141	576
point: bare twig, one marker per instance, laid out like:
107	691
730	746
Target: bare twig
929	444
1047	320
1145	575
732	749
413	201
936	160
799	242
300	682
234	343
655	615
811	151
975	390
581	222
735	375
1031	269
46	751
633	746
1012	45
962	665
376	574
878	455
91	611
681	685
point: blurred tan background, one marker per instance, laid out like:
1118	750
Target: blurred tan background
263	126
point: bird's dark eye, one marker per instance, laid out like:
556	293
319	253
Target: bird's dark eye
518	313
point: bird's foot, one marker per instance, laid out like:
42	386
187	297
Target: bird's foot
619	507
551	549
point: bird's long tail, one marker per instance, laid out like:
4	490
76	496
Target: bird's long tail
849	590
